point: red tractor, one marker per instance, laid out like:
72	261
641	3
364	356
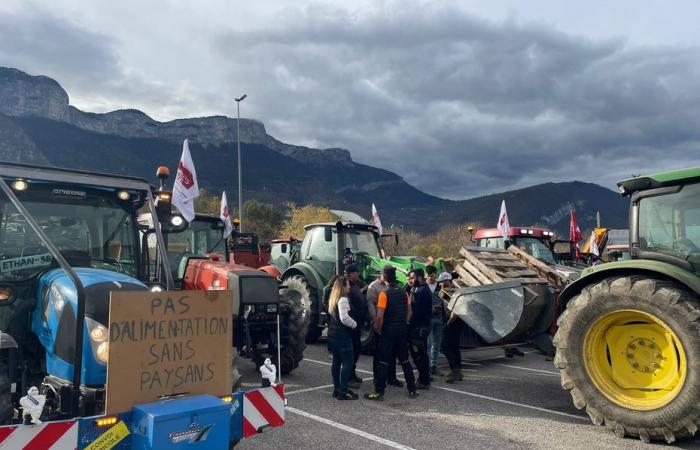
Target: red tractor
200	260
538	243
245	248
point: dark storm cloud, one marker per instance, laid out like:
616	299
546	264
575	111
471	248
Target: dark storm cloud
460	106
85	62
36	40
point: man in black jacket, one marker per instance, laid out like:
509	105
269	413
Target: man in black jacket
393	311
358	311
419	327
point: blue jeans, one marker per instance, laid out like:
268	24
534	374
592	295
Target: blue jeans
343	357
434	340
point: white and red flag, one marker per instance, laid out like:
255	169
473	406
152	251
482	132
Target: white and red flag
574	232
225	216
503	224
185	189
375	217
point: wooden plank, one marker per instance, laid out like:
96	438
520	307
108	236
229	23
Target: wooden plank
542	269
521	273
474	279
473	248
511	263
480	266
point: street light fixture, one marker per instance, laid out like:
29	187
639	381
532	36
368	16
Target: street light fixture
240	180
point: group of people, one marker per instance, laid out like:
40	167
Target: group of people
411	320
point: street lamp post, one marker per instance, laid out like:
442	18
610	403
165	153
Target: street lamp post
240	180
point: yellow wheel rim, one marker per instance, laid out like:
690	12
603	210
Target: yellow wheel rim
634	359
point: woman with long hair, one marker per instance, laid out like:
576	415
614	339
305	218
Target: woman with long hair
340	328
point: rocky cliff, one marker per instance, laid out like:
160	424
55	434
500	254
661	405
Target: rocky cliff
24	95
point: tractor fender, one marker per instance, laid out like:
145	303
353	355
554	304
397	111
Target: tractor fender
311	275
646	267
271	270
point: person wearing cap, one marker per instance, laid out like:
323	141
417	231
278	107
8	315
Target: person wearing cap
358	311
419	326
374	289
393	312
452	335
437	320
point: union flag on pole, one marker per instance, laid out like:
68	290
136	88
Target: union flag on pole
225	216
503	224
185	189
375	217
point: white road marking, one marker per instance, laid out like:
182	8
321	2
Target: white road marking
545	372
325	386
348	429
508	402
329	364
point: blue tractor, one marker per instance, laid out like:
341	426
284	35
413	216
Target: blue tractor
67	239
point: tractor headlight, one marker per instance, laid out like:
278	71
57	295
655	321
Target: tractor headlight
99	339
99	334
103	352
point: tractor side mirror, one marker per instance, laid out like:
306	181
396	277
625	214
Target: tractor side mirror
327	234
564	250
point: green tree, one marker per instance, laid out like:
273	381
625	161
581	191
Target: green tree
300	216
263	219
207	203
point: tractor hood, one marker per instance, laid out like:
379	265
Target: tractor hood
55	285
54	320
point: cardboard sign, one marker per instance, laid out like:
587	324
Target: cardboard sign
167	343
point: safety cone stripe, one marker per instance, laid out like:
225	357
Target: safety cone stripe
47	436
262	408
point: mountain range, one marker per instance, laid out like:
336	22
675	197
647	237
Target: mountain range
39	126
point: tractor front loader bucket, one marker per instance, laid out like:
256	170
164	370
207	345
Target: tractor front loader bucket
497	311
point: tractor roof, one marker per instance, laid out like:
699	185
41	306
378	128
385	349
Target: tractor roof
70	176
660	179
350	225
536	232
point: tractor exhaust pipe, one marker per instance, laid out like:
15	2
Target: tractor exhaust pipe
339	249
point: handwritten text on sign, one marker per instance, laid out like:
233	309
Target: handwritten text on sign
168	343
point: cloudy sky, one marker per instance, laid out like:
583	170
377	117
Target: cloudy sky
461	98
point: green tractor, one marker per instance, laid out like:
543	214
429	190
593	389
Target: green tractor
628	344
324	252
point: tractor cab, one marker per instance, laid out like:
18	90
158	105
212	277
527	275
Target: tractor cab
67	239
282	251
665	223
537	242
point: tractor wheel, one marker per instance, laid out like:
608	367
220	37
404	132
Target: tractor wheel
367	338
628	350
292	306
297	286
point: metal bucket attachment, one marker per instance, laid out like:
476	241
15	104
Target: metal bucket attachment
497	311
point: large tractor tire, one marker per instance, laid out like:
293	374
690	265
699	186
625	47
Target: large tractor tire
628	350
292	305
367	338
308	297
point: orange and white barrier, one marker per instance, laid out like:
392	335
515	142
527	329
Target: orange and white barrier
47	436
263	408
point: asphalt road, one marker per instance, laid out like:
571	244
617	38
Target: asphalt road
503	403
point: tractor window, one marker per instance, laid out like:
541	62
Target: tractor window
362	242
670	224
316	247
495	242
536	248
90	231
